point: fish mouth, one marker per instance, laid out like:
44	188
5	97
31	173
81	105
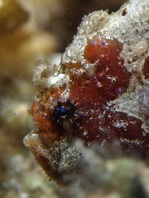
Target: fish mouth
56	158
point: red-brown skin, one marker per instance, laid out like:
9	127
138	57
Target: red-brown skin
92	100
49	130
146	69
92	118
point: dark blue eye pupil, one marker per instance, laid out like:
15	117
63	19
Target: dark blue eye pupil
62	111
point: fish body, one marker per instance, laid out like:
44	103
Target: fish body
98	94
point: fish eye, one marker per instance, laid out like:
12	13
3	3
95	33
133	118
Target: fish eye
62	112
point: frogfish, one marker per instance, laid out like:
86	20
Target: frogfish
98	94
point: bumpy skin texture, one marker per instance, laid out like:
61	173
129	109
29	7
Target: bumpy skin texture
99	93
